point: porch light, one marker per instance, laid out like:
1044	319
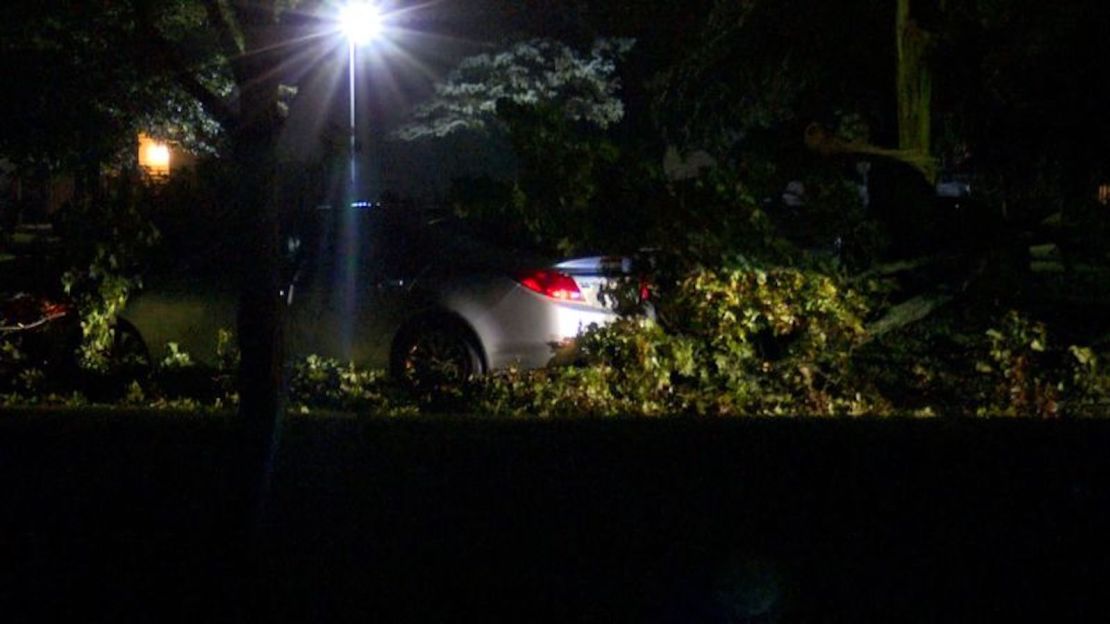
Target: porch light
154	156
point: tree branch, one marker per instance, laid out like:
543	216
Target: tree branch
224	25
901	266
907	313
157	46
213	104
827	143
917	308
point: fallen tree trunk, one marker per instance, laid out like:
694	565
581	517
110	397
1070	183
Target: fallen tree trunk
907	313
923	305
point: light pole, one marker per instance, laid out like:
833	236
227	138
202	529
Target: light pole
361	23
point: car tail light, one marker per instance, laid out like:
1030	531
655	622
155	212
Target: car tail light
645	289
52	310
24	311
551	284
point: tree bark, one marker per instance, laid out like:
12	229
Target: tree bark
914	86
260	319
260	314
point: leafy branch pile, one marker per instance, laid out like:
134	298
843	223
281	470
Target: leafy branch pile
730	343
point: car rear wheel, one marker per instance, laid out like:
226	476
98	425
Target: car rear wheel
431	353
130	356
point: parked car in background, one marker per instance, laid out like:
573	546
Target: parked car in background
40	327
42	331
413	291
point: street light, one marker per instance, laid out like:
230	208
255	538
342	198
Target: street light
361	23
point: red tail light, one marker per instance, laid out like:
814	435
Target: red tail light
645	289
52	310
551	284
24	311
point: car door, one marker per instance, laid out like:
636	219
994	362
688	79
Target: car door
354	288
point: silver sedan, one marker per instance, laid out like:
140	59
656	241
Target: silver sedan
397	289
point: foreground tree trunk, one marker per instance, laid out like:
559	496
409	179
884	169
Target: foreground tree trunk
260	320
248	37
260	314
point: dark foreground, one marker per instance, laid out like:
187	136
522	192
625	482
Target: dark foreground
125	518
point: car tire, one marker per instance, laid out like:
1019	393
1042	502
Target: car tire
130	356
434	352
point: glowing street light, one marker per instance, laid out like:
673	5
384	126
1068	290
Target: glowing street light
361	23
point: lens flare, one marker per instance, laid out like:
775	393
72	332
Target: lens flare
361	22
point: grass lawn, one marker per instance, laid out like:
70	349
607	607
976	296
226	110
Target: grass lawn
123	516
